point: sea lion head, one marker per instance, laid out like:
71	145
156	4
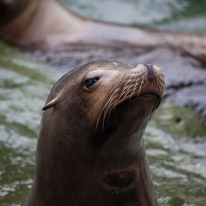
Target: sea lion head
105	105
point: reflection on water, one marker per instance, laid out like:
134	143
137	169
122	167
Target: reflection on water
175	139
175	15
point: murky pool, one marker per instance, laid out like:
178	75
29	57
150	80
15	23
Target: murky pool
175	138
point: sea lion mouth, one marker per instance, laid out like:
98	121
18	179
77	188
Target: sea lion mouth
120	130
151	95
145	95
143	103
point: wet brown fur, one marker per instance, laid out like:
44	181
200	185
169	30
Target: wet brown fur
80	162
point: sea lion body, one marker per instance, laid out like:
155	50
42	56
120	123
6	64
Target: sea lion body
90	149
47	25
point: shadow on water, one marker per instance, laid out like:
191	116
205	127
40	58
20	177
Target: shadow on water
175	138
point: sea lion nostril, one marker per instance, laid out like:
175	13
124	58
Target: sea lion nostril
150	70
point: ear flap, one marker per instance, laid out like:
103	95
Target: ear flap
51	103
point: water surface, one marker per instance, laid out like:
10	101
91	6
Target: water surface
175	139
24	87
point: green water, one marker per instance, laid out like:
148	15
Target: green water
175	15
24	87
175	138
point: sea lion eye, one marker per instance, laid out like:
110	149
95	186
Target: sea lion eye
88	83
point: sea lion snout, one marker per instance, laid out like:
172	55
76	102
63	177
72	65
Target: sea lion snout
142	79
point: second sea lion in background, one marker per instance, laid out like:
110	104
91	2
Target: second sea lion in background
47	25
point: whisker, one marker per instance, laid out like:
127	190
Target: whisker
129	85
105	106
141	84
134	88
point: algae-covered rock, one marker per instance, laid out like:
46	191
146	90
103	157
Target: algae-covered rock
179	121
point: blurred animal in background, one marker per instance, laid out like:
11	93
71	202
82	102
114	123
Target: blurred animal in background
48	25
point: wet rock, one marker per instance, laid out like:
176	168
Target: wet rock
185	75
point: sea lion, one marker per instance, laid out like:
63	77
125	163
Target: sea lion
47	25
90	149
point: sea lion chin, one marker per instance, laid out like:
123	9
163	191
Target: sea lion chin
90	149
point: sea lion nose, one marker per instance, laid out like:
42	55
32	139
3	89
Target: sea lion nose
150	70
